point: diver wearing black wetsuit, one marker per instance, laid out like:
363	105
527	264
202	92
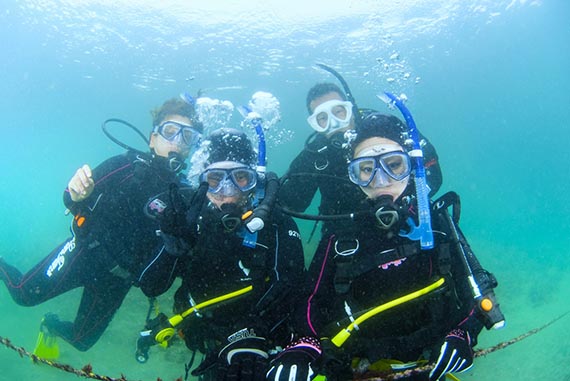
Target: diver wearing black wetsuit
321	165
219	256
381	270
113	242
375	301
221	263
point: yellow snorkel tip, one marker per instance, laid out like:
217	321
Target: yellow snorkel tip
340	337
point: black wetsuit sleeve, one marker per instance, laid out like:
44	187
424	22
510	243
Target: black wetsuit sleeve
300	185
159	276
105	179
287	268
290	253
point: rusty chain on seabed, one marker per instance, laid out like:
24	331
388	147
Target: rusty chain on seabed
87	370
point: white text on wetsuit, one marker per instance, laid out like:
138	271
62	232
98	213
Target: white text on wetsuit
59	261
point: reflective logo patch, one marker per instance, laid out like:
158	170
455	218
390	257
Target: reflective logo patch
59	261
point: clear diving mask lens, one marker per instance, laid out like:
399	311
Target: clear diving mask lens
331	116
229	181
171	130
382	168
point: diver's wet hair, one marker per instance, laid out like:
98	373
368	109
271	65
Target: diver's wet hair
176	106
383	126
230	144
321	89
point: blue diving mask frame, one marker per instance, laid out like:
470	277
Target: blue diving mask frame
395	165
229	181
173	131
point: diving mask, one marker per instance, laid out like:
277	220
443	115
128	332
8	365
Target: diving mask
229	182
331	116
171	131
382	168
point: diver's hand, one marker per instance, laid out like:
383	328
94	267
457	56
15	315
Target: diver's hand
172	219
81	184
455	355
295	363
243	360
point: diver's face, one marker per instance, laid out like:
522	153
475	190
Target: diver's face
162	147
339	112
381	183
225	180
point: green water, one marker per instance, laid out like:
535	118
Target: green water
487	82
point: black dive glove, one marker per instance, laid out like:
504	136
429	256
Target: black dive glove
244	359
455	355
296	362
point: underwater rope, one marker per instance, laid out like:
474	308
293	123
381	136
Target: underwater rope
87	370
477	353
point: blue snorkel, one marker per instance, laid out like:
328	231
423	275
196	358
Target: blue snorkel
257	124
255	220
188	98
423	232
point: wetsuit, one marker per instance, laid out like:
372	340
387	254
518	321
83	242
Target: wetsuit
322	166
219	263
353	273
112	246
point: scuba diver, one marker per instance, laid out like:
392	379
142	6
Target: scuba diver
113	243
321	165
377	301
238	279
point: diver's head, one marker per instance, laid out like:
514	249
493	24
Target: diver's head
330	112
176	129
230	172
380	164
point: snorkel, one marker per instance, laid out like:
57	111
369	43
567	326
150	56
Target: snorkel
174	162
423	231
105	129
188	98
346	89
256	122
261	158
254	219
